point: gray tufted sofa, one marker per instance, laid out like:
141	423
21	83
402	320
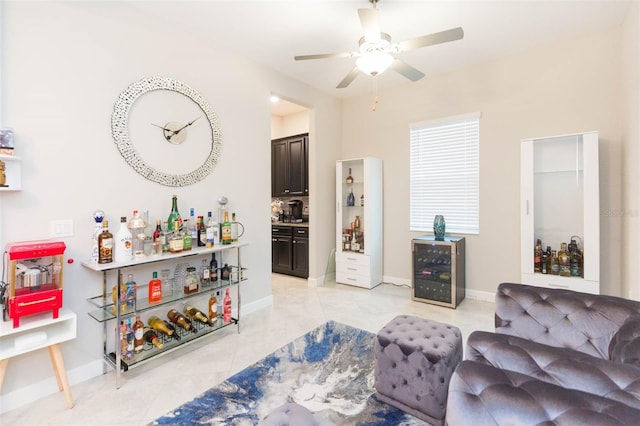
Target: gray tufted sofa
557	357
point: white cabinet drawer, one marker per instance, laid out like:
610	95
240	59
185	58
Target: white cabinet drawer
353	258
353	268
353	279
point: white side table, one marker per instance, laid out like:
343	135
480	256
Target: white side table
38	332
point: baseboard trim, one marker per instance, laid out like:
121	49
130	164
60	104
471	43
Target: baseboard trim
486	296
396	281
257	305
33	392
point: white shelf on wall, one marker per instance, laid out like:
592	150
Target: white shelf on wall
13	166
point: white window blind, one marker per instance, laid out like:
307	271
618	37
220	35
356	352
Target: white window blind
444	174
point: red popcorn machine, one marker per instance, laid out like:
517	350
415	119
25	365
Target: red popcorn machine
35	273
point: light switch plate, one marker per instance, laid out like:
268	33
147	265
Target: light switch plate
61	228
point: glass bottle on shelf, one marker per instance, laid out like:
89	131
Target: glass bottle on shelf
137	226
196	314
349	178
186	236
176	241
138	335
105	244
537	257
213	308
167	284
225	233
180	320
174	216
564	260
213	268
191	284
575	259
166	247
227	307
122	244
193	227
362	200
131	290
151	337
162	326
351	199
205	273
155	288
202	232
555	264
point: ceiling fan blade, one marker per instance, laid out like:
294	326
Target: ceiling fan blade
349	78
370	23
406	70
322	56
431	39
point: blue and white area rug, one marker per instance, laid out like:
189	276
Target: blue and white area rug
328	370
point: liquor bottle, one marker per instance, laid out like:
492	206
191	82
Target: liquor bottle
193	228
227	307
180	320
176	241
575	259
205	274
213	308
564	259
545	266
555	264
155	289
138	335
122	340
158	232
225	230
166	247
213	268
219	307
202	232
98	217
362	200
150	336
123	250
234	228
197	315
131	292
226	272
191	282
174	216
130	340
186	236
351	199
349	178
162	326
210	231
105	244
137	226
537	257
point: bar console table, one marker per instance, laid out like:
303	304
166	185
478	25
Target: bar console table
38	332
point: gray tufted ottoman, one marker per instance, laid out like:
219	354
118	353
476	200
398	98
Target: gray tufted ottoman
414	362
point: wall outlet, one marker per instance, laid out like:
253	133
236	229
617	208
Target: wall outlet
61	228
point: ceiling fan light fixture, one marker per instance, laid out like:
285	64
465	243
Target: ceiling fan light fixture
374	63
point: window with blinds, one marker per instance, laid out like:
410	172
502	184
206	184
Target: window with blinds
444	174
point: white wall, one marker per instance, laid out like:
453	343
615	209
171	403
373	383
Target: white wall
69	62
290	125
568	87
631	152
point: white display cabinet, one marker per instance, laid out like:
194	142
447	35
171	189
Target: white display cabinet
560	199
359	259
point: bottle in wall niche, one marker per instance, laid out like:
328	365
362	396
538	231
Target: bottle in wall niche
227	307
98	217
122	250
545	267
174	216
155	289
564	259
196	314
150	336
575	259
555	264
225	234
362	200
351	199
210	231
161	326
186	236
202	232
176	241
349	178
213	268
180	320
213	308
537	257
105	244
138	335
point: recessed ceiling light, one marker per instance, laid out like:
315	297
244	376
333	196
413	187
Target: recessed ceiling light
274	99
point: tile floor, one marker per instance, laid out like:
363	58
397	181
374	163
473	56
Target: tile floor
152	389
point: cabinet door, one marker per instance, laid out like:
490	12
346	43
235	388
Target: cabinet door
301	257
279	169
297	165
281	254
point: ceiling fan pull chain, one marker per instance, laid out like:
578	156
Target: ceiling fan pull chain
375	92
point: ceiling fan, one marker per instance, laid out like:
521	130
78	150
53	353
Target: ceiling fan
376	50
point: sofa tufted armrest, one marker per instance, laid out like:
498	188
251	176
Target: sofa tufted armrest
625	344
562	318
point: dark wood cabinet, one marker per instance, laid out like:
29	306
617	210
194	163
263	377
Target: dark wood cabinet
289	171
290	250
